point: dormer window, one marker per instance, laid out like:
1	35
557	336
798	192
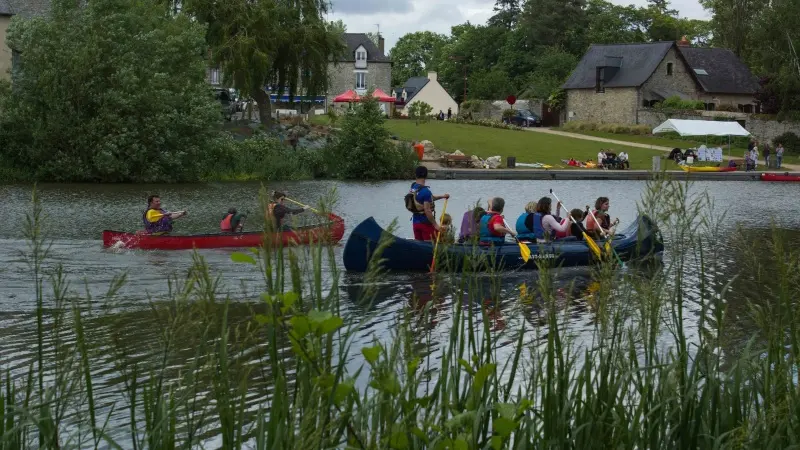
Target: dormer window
361	55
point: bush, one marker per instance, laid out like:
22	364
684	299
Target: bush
109	91
364	151
508	113
615	128
486	123
263	158
469	106
727	107
790	141
420	111
676	102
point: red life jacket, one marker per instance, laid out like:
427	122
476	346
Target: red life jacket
563	234
225	224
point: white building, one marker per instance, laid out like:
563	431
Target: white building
424	89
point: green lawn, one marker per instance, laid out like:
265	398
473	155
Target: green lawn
527	146
654	140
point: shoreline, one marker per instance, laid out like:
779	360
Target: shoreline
551	174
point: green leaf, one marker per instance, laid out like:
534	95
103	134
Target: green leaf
460	444
482	374
399	440
317	317
343	389
242	258
507	410
261	319
466	366
503	427
371	354
289	299
300	326
416	431
496	442
331	325
460	420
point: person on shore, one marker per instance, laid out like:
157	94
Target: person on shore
492	228
603	225
601	157
754	155
277	212
232	222
470	225
779	156
623	160
420	202
156	220
766	154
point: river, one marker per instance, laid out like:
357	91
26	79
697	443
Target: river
77	214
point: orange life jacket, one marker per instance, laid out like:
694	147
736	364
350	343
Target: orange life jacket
225	224
271	215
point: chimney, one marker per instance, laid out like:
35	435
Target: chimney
684	42
380	45
432	76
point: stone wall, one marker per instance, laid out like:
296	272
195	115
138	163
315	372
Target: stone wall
493	109
342	77
760	128
679	81
615	105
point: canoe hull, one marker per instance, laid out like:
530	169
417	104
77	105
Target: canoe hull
330	233
641	239
779	177
708	169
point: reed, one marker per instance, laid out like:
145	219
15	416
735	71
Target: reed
659	369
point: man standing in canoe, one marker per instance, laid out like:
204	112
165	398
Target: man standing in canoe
419	201
156	220
277	211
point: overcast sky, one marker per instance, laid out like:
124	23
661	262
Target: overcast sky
398	17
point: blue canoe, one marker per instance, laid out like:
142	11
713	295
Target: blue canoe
640	240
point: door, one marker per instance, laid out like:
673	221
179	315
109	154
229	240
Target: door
550	116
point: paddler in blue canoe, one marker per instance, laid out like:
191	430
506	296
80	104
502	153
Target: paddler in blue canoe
157	220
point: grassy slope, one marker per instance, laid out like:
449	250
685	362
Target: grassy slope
528	147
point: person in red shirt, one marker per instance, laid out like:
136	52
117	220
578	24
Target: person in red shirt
492	226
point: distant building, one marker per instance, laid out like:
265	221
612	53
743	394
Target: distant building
363	67
613	82
9	8
424	89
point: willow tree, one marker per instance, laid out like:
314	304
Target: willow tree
270	45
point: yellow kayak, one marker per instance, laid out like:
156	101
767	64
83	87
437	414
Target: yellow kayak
708	169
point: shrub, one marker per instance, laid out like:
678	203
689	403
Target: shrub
420	111
469	106
486	123
676	102
790	141
508	113
364	151
333	116
262	158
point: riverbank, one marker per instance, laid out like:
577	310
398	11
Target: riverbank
545	174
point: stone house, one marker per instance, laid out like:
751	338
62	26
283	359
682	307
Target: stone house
612	83
363	67
8	9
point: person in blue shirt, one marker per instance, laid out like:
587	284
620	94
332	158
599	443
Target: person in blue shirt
419	201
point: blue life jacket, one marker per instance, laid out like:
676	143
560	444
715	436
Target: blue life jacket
164	224
486	235
538	228
523	232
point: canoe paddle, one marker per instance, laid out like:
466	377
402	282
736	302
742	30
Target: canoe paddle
589	241
524	250
304	206
439	234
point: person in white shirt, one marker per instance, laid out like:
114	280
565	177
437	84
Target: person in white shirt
549	225
601	156
754	155
623	157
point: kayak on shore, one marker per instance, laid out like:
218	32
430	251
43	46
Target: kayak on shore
640	240
708	169
330	232
779	177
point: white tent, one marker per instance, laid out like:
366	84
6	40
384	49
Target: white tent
701	128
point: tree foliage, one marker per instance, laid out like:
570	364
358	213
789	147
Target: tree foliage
114	91
414	54
261	44
420	111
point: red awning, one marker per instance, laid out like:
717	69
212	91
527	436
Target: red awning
381	96
347	97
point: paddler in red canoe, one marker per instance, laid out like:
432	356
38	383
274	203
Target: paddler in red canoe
277	211
156	220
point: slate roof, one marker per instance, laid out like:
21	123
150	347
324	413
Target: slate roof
727	74
355	40
636	63
413	86
5	8
25	8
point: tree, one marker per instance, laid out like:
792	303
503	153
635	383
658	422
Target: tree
113	91
420	111
559	23
270	44
415	53
507	13
733	22
553	67
338	27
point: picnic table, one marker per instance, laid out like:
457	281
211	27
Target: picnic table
457	161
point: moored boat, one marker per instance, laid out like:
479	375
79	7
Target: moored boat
708	169
330	232
779	177
639	240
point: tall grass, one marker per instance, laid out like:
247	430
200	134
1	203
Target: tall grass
658	370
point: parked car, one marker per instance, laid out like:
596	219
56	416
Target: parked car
524	118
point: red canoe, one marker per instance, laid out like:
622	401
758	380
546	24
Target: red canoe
779	177
329	233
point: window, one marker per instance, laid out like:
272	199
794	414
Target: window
213	76
361	80
599	83
711	106
669	69
361	55
700	71
748	109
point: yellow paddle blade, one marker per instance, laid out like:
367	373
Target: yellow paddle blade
608	247
524	251
592	245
